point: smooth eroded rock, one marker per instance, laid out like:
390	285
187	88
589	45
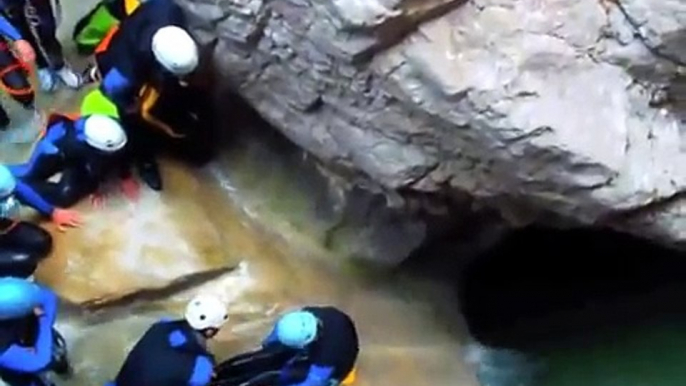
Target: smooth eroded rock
548	104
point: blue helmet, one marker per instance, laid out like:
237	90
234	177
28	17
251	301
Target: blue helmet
18	297
7	182
297	329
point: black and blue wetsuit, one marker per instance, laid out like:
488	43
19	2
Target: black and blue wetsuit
170	353
12	74
22	246
126	66
22	359
63	149
326	361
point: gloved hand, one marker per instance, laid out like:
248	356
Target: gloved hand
64	218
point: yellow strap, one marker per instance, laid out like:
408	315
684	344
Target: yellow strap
131	5
149	95
351	378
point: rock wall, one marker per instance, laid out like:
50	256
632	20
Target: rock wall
569	107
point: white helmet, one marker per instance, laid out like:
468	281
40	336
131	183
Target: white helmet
175	50
206	311
104	133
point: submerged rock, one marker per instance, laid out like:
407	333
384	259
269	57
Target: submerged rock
530	107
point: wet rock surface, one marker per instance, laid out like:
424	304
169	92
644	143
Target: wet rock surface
548	106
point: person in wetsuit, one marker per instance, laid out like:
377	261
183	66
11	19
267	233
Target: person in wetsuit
36	21
22	246
15	54
85	150
313	346
15	192
27	336
148	50
173	352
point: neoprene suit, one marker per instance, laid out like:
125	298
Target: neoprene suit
12	74
22	246
64	149
168	354
21	364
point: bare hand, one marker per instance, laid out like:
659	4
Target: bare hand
25	51
66	218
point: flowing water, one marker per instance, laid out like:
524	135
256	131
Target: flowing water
239	228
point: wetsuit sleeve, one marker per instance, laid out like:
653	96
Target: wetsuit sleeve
202	371
8	31
26	360
30	197
120	87
317	376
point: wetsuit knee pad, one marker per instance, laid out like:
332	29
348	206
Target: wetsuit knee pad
35	240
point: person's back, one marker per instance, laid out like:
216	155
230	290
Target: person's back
173	353
166	355
337	345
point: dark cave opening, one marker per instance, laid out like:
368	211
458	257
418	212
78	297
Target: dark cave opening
541	285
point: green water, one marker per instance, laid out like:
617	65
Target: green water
649	354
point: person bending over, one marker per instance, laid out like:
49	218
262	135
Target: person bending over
174	352
85	150
312	346
28	341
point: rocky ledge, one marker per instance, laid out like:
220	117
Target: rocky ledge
562	107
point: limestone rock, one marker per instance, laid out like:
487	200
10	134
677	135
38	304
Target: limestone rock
661	24
542	103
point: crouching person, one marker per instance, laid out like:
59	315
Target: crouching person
174	352
84	150
314	346
28	341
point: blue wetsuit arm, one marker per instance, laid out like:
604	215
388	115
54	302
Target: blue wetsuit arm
317	376
202	371
119	88
25	360
8	31
29	197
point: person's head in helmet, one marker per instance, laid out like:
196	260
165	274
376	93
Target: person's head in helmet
206	314
297	329
7	182
175	50
104	133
